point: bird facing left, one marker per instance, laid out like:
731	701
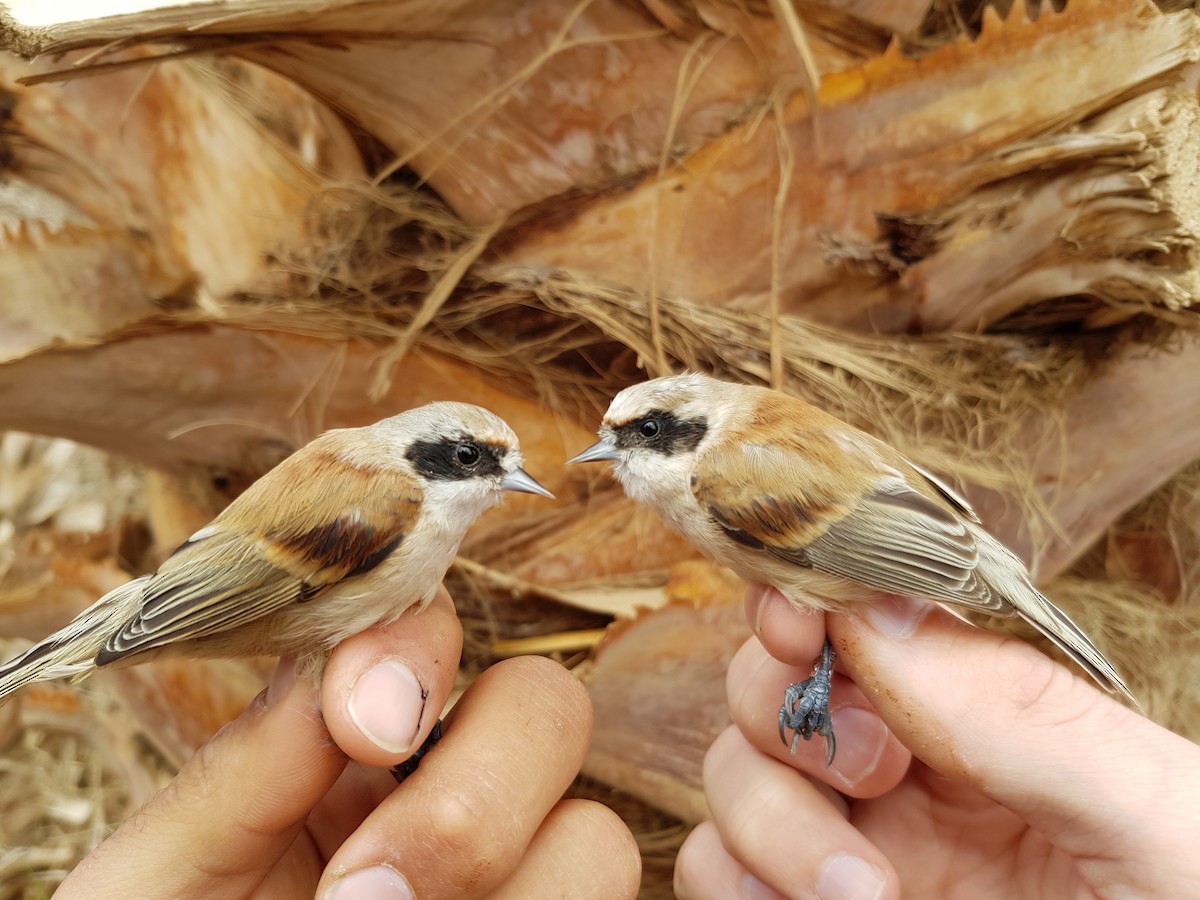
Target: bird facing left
345	534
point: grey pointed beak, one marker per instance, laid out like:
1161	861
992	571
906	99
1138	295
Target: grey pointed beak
522	481
601	451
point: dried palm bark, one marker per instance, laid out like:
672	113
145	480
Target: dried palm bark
1073	175
942	193
566	194
155	188
1138	202
658	684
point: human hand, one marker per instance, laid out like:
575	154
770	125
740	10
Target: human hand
988	770
270	807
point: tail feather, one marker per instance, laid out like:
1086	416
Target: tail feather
38	663
1007	576
1057	627
71	651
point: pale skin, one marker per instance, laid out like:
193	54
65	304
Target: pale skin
1044	789
288	801
977	768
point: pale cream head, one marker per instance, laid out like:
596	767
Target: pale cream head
653	432
464	456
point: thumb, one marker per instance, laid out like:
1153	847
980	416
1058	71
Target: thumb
990	711
230	814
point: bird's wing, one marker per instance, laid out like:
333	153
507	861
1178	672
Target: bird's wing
834	505
325	521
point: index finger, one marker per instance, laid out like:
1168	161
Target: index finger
459	826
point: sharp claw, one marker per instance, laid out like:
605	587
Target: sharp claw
403	770
805	707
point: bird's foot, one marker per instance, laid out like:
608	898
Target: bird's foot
805	709
406	768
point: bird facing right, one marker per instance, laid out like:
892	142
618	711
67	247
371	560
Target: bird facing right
345	534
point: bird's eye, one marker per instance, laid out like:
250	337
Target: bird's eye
466	454
649	428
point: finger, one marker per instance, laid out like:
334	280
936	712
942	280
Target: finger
787	832
784	831
459	825
230	814
583	850
789	633
384	688
704	869
994	713
353	797
869	761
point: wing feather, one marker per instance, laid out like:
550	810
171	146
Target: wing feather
904	533
339	521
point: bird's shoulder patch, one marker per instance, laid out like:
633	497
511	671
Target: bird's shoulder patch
767	495
345	521
310	523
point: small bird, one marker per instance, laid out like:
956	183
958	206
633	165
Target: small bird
784	493
345	534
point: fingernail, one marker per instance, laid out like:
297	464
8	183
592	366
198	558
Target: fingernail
382	882
386	704
281	681
753	889
896	615
845	877
862	738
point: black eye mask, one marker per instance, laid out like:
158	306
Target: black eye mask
661	431
456	459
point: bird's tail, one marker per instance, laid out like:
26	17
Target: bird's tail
1057	626
1036	609
71	651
